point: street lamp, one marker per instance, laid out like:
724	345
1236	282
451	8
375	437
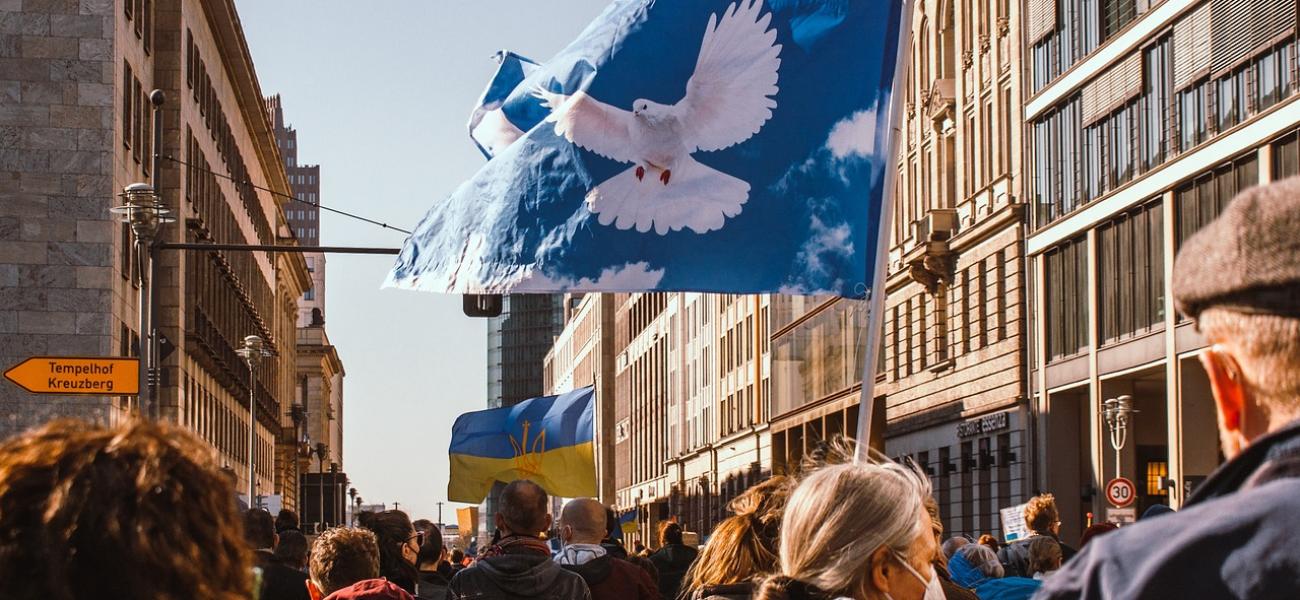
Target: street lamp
253	352
142	208
352	495
1118	412
320	484
298	414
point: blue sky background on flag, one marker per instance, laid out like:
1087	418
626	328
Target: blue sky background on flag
814	170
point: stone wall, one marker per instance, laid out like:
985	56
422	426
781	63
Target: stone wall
56	185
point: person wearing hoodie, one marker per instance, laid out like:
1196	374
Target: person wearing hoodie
673	560
345	566
976	567
582	524
518	566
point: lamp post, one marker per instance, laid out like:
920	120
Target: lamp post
304	453
298	414
142	208
352	495
320	484
1118	412
252	352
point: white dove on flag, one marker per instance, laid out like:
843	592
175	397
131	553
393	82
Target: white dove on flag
728	99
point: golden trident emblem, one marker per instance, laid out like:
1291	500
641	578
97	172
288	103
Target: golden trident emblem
528	459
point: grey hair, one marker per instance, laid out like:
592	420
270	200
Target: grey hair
1267	348
841	514
983	558
952	545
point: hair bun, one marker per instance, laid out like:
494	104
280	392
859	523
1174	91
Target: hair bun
774	588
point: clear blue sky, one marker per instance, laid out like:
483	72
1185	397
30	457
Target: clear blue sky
380	93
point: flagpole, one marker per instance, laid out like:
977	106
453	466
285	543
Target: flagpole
875	303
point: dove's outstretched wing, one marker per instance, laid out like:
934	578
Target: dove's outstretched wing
591	124
729	97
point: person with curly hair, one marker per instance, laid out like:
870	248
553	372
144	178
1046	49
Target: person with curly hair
140	510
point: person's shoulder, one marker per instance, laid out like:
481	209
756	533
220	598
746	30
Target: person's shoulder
1186	552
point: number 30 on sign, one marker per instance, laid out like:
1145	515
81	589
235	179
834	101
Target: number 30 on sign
1121	492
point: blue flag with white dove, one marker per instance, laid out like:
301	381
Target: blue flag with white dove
731	146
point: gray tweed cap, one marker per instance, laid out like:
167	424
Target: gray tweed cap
1248	259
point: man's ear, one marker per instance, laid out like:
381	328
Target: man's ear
499	521
549	522
275	541
312	590
1228	387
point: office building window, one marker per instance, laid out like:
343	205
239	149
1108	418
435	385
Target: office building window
1230	98
1056	162
1130	273
1067	298
1157	73
1115	14
1192	115
1286	156
1202	199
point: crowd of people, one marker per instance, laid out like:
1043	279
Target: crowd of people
143	511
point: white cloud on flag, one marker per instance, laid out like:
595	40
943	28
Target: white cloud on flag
854	136
633	276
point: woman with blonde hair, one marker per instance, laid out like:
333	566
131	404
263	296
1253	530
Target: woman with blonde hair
857	530
743	547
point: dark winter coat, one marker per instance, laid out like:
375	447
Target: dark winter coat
1015	556
517	577
1234	538
432	585
280	582
672	561
611	578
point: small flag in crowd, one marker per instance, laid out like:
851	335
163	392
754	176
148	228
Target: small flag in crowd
707	145
547	440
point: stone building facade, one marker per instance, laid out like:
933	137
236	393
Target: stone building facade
692	380
76	76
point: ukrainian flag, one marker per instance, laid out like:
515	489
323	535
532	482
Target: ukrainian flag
547	440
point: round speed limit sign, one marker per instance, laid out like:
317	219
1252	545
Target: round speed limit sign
1121	492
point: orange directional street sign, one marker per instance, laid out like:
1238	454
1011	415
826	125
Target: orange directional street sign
89	375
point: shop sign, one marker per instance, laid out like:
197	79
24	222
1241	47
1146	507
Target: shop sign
985	424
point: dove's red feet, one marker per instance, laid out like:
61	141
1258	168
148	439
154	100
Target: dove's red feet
667	174
640	173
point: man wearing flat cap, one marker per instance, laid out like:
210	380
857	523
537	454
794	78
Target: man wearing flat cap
1236	537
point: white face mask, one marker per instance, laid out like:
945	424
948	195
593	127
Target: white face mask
933	589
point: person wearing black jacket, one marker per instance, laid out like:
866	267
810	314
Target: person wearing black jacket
1238	279
519	564
279	581
673	560
431	583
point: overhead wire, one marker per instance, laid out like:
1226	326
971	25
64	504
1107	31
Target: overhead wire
284	195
